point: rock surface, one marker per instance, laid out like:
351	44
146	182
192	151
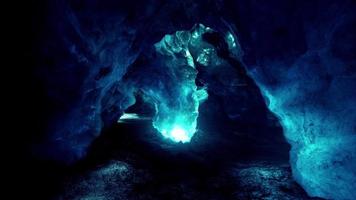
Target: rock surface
120	180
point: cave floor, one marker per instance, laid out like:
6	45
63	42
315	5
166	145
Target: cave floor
124	165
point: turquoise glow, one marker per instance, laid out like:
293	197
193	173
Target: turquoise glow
177	107
178	134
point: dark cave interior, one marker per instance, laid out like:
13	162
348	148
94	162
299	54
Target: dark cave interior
263	92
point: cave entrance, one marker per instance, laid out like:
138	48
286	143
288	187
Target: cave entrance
201	64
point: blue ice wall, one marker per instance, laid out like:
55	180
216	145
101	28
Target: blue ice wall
83	55
308	78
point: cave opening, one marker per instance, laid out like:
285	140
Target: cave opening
231	124
199	65
236	136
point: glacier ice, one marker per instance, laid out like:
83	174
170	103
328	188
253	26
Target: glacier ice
177	108
315	102
301	56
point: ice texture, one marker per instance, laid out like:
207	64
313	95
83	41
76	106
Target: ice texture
177	106
313	94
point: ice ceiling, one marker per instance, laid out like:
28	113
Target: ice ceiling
299	54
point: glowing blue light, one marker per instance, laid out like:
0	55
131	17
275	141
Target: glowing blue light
177	106
179	135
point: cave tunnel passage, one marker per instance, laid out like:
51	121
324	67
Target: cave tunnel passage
233	136
219	162
300	54
167	77
229	121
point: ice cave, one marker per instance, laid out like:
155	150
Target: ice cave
189	99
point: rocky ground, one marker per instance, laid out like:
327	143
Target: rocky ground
124	165
120	180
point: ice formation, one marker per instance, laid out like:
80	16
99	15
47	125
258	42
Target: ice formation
177	106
